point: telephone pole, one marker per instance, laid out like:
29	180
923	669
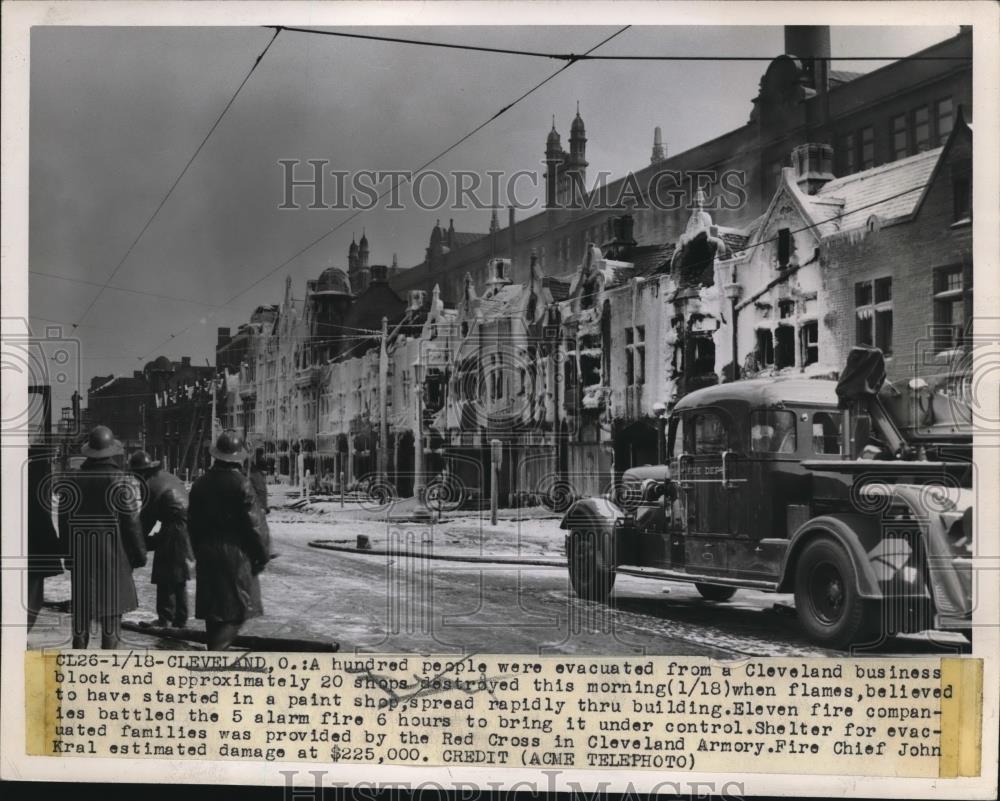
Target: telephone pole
383	417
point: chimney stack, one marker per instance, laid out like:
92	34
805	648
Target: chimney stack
379	274
813	164
811	44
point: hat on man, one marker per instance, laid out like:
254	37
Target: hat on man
140	461
229	447
101	443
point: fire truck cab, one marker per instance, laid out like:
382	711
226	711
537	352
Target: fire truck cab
797	485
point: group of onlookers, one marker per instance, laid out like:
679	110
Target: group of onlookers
109	517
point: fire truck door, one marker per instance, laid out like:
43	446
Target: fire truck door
707	499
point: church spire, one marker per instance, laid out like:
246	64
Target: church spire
659	151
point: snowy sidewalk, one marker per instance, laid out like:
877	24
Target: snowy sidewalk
530	536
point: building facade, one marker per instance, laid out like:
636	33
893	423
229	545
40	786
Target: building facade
868	119
556	345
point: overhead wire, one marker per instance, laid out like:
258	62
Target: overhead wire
570	59
424	166
177	180
106	287
588	56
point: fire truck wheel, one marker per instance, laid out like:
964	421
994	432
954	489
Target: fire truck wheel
591	567
826	595
715	592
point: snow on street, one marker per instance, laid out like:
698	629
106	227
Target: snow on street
404	603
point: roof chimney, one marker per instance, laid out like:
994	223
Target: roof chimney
379	274
813	164
811	44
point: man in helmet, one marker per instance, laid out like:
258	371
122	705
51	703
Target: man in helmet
102	533
231	543
166	503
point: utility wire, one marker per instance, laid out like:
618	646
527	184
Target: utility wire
173	186
424	166
103	286
572	57
748	248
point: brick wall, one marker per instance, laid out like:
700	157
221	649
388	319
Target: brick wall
910	252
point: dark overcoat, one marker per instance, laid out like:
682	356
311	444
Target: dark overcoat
167	501
102	535
231	544
260	487
44	548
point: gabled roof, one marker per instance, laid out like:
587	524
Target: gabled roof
377	301
735	240
462	238
888	191
843	76
502	302
652	259
558	288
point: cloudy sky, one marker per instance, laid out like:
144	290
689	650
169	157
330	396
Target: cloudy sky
117	112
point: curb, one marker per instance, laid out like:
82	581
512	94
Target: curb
326	545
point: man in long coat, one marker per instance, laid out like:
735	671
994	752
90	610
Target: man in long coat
166	501
102	534
259	482
231	543
44	549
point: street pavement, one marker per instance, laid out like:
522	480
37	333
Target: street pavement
410	604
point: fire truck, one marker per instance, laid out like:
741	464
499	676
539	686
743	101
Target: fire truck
855	495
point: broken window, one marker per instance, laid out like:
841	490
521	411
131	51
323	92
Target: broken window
784	346
873	314
702	355
784	247
765	347
809	339
635	355
786	308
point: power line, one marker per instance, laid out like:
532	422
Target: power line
573	57
424	166
173	186
64	322
119	289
